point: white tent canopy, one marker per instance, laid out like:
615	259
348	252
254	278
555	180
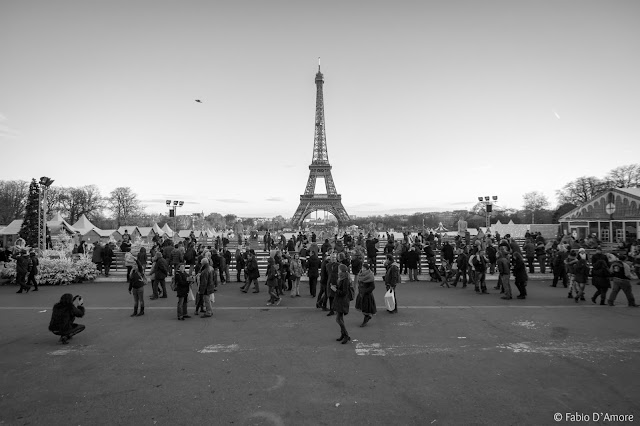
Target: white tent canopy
167	230
157	229
57	222
83	225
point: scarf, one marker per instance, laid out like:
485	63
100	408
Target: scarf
365	276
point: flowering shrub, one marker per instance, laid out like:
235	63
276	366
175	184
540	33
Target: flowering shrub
9	270
57	268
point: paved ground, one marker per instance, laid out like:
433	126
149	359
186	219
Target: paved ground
448	357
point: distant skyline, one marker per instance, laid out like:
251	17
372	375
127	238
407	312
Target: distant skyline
428	104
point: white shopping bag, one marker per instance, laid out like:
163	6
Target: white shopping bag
390	300
191	296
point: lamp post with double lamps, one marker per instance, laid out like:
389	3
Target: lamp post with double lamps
45	183
488	207
173	212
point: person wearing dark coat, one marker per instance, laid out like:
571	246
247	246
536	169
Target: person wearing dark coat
372	252
142	257
391	279
160	270
412	263
22	269
600	277
581	274
332	269
313	265
520	274
461	263
33	270
252	273
136	284
321	302
365	302
182	291
240	264
447	252
63	316
107	258
341	301
97	256
356	264
492	256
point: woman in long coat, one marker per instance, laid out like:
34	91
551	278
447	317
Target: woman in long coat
365	302
341	301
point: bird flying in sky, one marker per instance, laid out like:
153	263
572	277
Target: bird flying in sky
199	101
557	116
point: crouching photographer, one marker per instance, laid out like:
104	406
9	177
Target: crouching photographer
63	316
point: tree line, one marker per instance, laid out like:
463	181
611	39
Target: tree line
123	207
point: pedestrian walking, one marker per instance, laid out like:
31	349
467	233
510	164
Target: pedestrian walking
621	277
182	291
137	280
296	273
252	273
342	289
365	302
313	265
240	264
272	282
391	279
160	270
504	271
581	274
33	270
206	287
600	278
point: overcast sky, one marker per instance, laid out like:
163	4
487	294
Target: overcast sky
428	104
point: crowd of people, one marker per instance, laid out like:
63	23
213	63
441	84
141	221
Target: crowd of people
345	268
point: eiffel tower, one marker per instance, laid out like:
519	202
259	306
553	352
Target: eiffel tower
320	168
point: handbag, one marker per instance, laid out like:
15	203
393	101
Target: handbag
390	300
191	296
174	286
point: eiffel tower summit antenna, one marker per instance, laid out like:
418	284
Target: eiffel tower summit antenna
320	168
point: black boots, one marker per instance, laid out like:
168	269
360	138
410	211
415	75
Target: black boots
345	339
365	321
135	312
340	338
141	312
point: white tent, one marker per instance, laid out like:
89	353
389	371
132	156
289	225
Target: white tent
157	230
167	230
57	223
83	225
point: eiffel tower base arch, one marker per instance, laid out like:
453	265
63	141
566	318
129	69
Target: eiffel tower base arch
309	205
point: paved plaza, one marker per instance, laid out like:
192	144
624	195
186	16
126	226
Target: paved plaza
449	357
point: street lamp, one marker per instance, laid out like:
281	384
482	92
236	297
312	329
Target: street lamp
488	207
174	213
45	183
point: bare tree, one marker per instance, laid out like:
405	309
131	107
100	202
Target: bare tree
81	200
124	204
54	200
581	190
534	201
13	199
624	176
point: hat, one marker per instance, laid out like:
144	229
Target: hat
204	261
581	250
343	267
